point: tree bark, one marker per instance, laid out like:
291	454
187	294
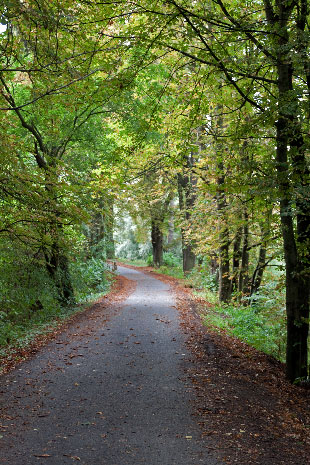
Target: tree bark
157	244
109	227
293	177
189	258
243	285
187	197
57	265
236	260
259	270
223	255
56	259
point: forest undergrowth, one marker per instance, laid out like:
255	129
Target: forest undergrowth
29	305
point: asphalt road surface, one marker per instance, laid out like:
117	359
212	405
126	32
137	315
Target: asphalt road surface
106	392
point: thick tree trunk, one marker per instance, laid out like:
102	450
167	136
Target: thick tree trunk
187	197
224	266
293	177
157	244
189	258
297	272
57	265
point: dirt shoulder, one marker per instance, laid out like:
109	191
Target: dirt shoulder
244	404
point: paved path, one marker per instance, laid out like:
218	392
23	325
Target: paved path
106	393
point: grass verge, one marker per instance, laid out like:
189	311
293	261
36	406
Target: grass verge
254	325
24	333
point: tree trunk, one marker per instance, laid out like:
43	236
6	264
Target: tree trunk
243	286
189	258
109	225
57	265
224	281
224	267
261	261
187	197
97	233
259	270
157	244
236	260
293	178
214	268
171	227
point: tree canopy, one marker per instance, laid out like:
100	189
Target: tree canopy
151	104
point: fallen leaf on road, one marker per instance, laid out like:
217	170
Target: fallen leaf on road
74	457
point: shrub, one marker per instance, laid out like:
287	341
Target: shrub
89	277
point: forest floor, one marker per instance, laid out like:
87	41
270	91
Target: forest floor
137	378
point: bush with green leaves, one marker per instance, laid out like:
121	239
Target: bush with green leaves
27	294
89	278
262	324
202	278
172	260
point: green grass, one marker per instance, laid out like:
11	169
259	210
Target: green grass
257	326
262	324
136	262
174	271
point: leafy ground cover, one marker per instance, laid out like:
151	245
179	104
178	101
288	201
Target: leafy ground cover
259	321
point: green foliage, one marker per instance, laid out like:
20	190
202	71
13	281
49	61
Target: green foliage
171	260
261	325
174	91
172	265
135	262
175	271
27	295
89	278
201	278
